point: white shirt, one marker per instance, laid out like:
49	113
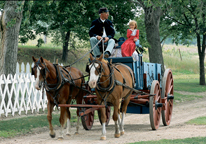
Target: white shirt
133	32
104	32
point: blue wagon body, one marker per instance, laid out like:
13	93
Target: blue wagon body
145	73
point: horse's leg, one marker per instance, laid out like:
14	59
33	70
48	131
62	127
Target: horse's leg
124	110
50	107
115	118
62	122
68	122
77	127
103	119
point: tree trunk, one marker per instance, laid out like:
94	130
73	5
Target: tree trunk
10	25
201	54
152	20
65	47
10	22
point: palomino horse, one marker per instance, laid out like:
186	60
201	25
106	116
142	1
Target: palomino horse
61	85
107	79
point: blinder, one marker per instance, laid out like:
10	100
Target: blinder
87	68
32	71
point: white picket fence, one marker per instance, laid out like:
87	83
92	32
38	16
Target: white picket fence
22	91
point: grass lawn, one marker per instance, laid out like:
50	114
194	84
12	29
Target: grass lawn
189	85
198	121
13	127
23	125
194	140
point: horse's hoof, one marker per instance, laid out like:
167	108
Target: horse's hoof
122	133
68	134
60	138
52	135
117	135
76	133
103	138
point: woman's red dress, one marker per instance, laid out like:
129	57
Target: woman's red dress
128	47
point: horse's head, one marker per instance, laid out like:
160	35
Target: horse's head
39	71
96	68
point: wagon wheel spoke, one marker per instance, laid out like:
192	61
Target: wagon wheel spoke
170	103
158	111
169	85
170	89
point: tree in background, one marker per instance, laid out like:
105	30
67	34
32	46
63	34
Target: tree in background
153	10
73	17
10	22
187	21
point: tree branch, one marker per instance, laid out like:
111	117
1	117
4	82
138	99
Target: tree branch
176	20
187	20
139	3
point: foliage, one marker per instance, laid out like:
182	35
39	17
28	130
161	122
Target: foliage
40	42
185	19
75	16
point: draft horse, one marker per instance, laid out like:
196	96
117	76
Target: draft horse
108	80
62	84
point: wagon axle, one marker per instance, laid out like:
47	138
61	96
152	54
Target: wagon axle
169	97
157	105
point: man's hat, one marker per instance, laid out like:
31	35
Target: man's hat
102	10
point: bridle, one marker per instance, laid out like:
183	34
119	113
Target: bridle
43	71
99	70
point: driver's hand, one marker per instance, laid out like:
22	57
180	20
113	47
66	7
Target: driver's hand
106	39
99	37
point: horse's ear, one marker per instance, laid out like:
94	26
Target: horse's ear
41	60
34	59
100	58
91	57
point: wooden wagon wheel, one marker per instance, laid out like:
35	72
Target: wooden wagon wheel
88	119
108	115
168	95
155	105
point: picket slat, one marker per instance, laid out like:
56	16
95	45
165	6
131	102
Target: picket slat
18	94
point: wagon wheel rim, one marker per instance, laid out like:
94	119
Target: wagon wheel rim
155	112
167	89
88	119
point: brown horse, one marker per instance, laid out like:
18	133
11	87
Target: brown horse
107	78
61	85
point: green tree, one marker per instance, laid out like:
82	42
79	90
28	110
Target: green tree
74	16
153	11
187	21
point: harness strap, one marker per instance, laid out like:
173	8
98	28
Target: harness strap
131	72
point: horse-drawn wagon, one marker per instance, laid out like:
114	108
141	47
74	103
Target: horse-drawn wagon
129	86
155	96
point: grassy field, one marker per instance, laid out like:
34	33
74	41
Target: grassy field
185	73
195	140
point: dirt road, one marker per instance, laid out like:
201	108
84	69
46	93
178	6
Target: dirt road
137	128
